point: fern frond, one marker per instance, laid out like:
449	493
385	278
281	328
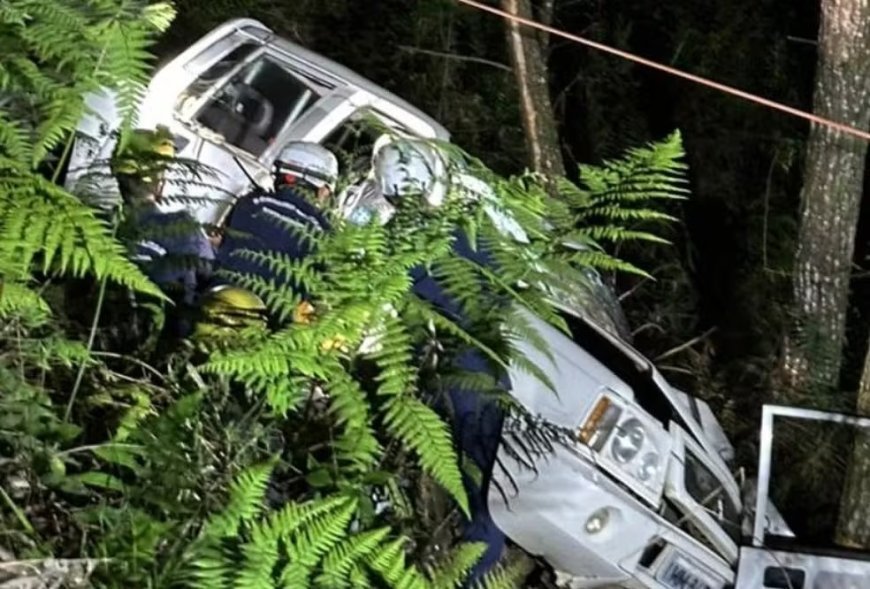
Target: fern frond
614	234
356	446
505	577
319	536
395	359
422	430
522	363
44	221
455	330
452	572
245	503
259	557
390	565
341	559
519	327
17	300
606	262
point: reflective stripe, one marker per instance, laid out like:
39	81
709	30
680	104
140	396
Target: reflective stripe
288	207
154	247
285	219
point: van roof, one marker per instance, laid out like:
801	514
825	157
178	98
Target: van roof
332	69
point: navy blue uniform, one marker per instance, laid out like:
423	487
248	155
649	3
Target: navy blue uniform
477	422
265	222
173	251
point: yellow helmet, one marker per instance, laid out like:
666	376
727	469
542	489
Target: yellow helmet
227	309
137	157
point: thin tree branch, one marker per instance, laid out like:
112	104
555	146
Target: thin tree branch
764	226
633	289
456	56
687	345
676	369
647	327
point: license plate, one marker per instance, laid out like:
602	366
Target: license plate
679	575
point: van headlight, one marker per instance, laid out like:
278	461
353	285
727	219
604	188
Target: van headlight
628	441
625	440
649	467
602	420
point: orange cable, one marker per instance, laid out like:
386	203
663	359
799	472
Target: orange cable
673	71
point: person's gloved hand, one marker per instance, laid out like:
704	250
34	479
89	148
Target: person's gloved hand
334	343
303	313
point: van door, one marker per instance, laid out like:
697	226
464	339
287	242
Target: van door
803	465
240	118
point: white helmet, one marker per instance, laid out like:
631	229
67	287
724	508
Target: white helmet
307	161
382	140
409	166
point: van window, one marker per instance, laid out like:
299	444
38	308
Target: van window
256	104
353	141
709	492
218	70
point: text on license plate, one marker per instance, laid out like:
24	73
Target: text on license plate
677	575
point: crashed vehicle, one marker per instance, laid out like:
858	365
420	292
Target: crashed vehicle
642	495
234	98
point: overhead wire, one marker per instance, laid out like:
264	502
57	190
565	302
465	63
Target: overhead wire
813	118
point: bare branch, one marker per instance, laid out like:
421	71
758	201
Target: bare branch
687	345
456	56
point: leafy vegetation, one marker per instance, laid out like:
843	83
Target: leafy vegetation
292	457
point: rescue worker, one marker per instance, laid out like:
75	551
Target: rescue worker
172	249
304	175
406	168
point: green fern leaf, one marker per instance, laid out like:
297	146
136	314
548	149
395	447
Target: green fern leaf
453	571
422	430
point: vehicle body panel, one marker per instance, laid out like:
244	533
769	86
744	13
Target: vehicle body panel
766	568
546	513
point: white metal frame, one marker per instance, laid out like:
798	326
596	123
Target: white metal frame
769	413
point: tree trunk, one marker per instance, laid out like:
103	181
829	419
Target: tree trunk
530	68
830	199
853	527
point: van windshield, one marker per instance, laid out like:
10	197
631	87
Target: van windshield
217	71
252	108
